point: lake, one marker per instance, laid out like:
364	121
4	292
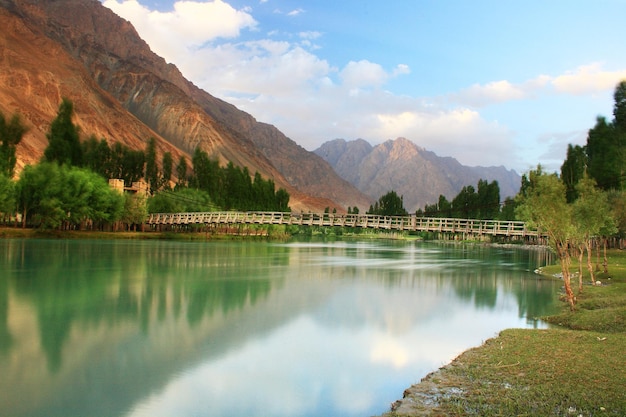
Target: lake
247	328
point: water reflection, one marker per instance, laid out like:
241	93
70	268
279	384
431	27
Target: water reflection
302	329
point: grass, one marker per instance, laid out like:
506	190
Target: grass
577	369
12	232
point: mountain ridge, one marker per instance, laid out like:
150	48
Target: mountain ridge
417	174
124	92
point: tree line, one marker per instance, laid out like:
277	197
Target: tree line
586	203
579	209
69	186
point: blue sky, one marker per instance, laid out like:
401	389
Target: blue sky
498	82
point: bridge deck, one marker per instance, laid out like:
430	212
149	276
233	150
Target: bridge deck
400	223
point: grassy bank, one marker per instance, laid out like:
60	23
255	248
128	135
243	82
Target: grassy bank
578	369
258	233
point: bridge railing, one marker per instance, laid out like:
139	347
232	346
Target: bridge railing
406	223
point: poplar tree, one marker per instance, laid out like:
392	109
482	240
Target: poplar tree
543	205
63	138
11	133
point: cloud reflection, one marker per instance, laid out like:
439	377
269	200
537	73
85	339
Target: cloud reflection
290	373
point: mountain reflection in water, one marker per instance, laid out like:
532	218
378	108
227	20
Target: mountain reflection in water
160	328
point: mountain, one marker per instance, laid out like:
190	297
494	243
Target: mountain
420	176
123	92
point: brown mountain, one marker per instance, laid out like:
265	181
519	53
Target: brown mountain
420	176
123	92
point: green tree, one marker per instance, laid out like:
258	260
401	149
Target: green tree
544	206
488	199
591	212
465	204
50	196
205	172
180	200
390	204
282	201
181	172
7	196
135	210
619	107
167	164
573	168
152	170
604	153
508	209
11	133
131	165
63	138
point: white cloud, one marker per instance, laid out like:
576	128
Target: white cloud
295	12
587	79
584	80
363	74
494	92
190	25
281	79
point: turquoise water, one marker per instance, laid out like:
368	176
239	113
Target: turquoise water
162	328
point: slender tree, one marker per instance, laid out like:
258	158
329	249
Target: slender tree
590	211
7	196
167	164
181	172
573	168
11	133
152	170
619	107
544	205
63	138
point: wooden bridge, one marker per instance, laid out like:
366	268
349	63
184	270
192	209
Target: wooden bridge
369	221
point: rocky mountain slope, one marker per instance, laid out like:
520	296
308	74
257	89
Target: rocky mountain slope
123	92
420	176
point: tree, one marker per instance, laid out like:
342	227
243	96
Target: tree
131	165
573	168
135	210
592	216
544	206
619	107
488	199
604	155
11	133
390	204
181	172
282	201
465	204
7	196
51	195
180	200
508	209
63	138
167	164
152	170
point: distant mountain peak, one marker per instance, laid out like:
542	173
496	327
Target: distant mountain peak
417	174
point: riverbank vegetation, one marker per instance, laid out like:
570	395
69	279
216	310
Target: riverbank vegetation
574	369
577	367
69	188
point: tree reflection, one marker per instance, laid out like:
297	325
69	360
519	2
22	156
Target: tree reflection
70	282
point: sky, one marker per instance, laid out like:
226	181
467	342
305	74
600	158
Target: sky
490	83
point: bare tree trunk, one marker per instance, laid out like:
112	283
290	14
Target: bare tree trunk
606	261
598	258
565	261
580	250
589	264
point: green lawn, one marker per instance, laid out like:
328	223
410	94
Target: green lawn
578	369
